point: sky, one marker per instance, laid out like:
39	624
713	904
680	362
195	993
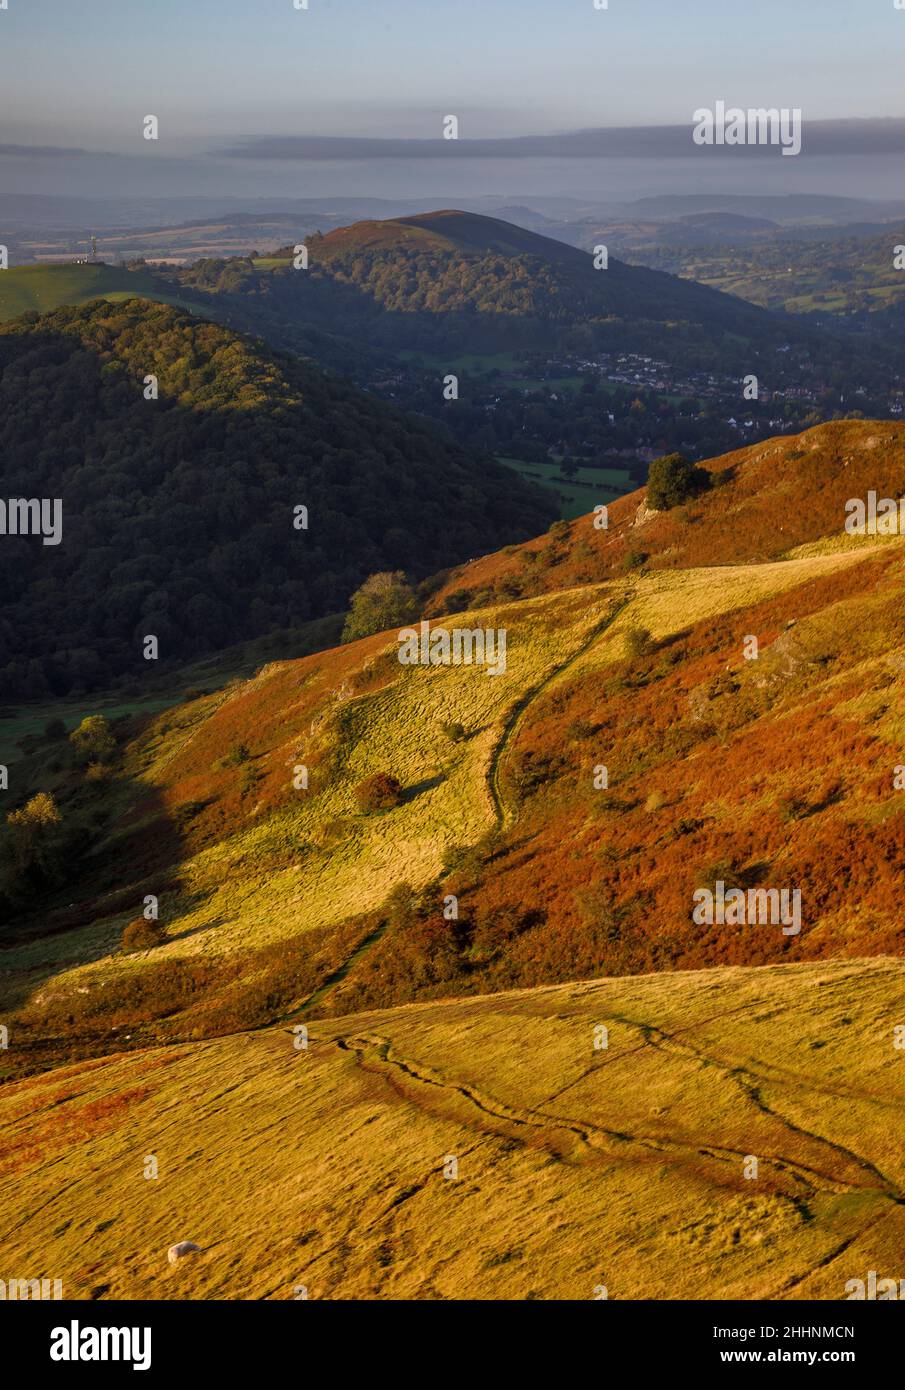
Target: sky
218	73
84	73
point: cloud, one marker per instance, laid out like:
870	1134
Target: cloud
39	152
630	142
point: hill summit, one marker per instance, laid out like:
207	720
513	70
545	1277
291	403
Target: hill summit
453	230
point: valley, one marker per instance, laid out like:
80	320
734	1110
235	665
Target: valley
392	966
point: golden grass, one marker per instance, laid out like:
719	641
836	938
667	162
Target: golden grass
576	1168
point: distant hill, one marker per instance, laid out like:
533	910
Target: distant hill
178	513
456	281
450	283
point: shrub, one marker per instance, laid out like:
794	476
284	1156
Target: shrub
596	909
379	792
142	935
672	480
530	770
638	641
453	731
38	813
791	808
238	754
494	930
93	740
249	780
55	729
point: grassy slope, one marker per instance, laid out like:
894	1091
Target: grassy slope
567	1179
773	497
577	1168
238	871
45	288
242	862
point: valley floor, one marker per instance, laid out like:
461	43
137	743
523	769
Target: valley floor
486	1148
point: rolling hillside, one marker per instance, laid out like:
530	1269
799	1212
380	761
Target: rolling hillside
623	1172
529	1072
284	901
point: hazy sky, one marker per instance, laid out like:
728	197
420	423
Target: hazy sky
85	73
226	77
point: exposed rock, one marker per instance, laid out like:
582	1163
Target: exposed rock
645	513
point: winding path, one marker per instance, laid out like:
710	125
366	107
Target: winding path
511	727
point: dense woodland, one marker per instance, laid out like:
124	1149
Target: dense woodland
443	299
432	294
179	513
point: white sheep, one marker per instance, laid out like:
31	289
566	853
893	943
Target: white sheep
185	1247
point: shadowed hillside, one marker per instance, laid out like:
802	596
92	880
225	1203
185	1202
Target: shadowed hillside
181	508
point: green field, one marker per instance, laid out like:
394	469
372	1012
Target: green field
575	496
43	288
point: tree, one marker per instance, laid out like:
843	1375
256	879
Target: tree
384	600
93	740
35	849
35	816
673	480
